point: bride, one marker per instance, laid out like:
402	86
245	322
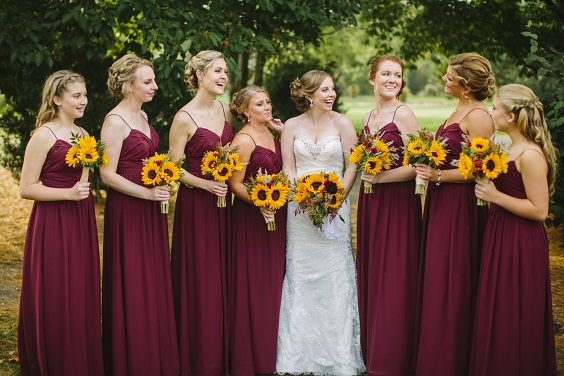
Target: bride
319	327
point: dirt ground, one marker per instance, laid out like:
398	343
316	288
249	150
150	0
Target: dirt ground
14	214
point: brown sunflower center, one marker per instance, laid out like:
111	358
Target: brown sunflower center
261	194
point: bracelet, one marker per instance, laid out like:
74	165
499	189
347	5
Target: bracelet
439	178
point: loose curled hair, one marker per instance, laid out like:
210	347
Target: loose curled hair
375	65
121	74
474	72
200	62
241	99
530	120
55	85
305	86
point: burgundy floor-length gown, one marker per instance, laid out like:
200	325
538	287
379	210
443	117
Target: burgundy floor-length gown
200	241
256	275
387	261
451	246
138	313
513	332
59	322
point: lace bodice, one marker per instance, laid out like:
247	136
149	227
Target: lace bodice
324	155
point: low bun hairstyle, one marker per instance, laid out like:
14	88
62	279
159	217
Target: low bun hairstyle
375	65
121	74
199	62
474	72
305	86
240	102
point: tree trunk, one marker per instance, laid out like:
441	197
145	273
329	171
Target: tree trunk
259	67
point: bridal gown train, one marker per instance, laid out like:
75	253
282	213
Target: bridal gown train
319	326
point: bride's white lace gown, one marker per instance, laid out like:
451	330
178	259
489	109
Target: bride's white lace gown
319	329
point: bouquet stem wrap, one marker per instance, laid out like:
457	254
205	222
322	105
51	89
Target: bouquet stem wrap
368	187
85	174
221	202
420	186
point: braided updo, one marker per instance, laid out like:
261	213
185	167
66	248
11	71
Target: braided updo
305	86
473	71
122	74
200	62
240	102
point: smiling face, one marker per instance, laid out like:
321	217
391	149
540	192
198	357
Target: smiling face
452	86
259	110
73	101
144	86
325	95
387	81
214	78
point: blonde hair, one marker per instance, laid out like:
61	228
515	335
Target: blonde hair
474	72
529	111
375	65
121	74
200	62
55	85
305	86
241	99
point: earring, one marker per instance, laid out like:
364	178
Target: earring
310	103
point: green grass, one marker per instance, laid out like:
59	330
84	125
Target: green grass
431	112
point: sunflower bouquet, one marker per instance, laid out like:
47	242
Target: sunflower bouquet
319	195
482	158
269	191
86	152
160	170
220	164
372	155
424	148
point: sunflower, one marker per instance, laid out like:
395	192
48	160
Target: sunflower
382	146
150	174
88	155
480	144
356	154
235	162
87	142
465	165
209	162
72	157
373	165
335	179
416	147
105	160
222	172
405	160
157	158
503	159
492	166
301	192
277	196
169	172
436	153
314	183
334	201
259	195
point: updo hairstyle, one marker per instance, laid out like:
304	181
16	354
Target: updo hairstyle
375	65
305	86
122	74
240	102
474	72
200	62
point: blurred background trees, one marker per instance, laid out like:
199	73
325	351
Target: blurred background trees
269	43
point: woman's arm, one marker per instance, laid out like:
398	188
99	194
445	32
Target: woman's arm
287	148
533	171
34	158
246	148
348	140
114	132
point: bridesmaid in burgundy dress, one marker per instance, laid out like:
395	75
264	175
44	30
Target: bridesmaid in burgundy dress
138	313
513	333
256	264
59	323
201	229
389	231
453	227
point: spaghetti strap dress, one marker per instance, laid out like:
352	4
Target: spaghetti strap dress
451	247
59	318
387	262
137	308
200	241
256	275
514	333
